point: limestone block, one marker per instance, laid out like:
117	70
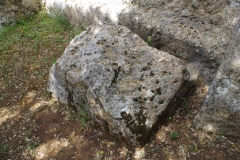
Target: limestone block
220	111
120	80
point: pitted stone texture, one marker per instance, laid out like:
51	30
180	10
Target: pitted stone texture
121	80
221	109
216	12
193	30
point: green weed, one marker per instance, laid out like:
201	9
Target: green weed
53	60
185	104
82	118
83	122
193	147
174	135
4	149
149	41
33	145
99	154
115	139
1	96
220	136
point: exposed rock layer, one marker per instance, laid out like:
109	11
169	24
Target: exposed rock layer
121	80
220	111
196	31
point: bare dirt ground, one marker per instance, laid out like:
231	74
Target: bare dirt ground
35	126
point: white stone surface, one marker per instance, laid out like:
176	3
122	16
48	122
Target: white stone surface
115	75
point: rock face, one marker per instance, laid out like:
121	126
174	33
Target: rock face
124	83
193	30
221	109
12	10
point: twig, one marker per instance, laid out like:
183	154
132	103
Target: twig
93	135
153	150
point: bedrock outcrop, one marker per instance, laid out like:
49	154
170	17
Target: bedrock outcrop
194	30
123	82
220	111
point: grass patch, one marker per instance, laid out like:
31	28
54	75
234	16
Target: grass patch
38	29
82	117
27	51
30	47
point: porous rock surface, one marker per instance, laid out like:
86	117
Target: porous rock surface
124	83
13	10
194	30
220	111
